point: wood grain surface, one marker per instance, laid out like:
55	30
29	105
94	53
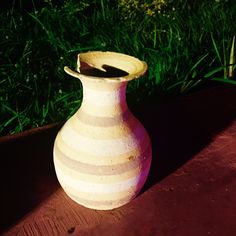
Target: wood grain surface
191	189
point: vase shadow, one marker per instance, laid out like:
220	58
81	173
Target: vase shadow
27	176
181	128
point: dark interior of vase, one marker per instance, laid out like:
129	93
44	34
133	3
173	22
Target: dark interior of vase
109	71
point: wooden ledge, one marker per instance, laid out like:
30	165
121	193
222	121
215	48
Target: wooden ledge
191	189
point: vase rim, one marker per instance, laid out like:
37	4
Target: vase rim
95	65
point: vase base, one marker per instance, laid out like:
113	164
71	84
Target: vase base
100	205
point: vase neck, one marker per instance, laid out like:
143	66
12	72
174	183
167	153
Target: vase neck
104	98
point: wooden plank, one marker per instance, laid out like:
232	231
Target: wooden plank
191	189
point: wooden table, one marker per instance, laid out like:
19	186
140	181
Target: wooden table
191	189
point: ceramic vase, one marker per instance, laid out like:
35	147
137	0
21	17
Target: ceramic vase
102	154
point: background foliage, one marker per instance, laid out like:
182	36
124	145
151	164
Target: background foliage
186	43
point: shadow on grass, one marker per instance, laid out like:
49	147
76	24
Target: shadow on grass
181	128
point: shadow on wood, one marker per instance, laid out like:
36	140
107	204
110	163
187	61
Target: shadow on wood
181	128
27	174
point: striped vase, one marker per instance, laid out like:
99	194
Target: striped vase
102	154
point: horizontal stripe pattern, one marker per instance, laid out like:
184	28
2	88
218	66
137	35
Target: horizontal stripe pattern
102	85
104	97
103	147
104	179
101	205
105	121
92	158
102	154
104	196
122	129
100	188
131	163
110	110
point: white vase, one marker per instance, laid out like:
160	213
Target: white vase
102	154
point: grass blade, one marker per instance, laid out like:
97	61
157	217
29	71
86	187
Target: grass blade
231	59
228	81
209	74
216	49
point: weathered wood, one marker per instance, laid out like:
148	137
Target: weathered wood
191	189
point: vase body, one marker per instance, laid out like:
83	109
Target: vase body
102	154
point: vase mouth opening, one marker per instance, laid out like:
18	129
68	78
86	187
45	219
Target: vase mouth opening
106	71
107	65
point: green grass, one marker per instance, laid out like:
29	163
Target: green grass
186	44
